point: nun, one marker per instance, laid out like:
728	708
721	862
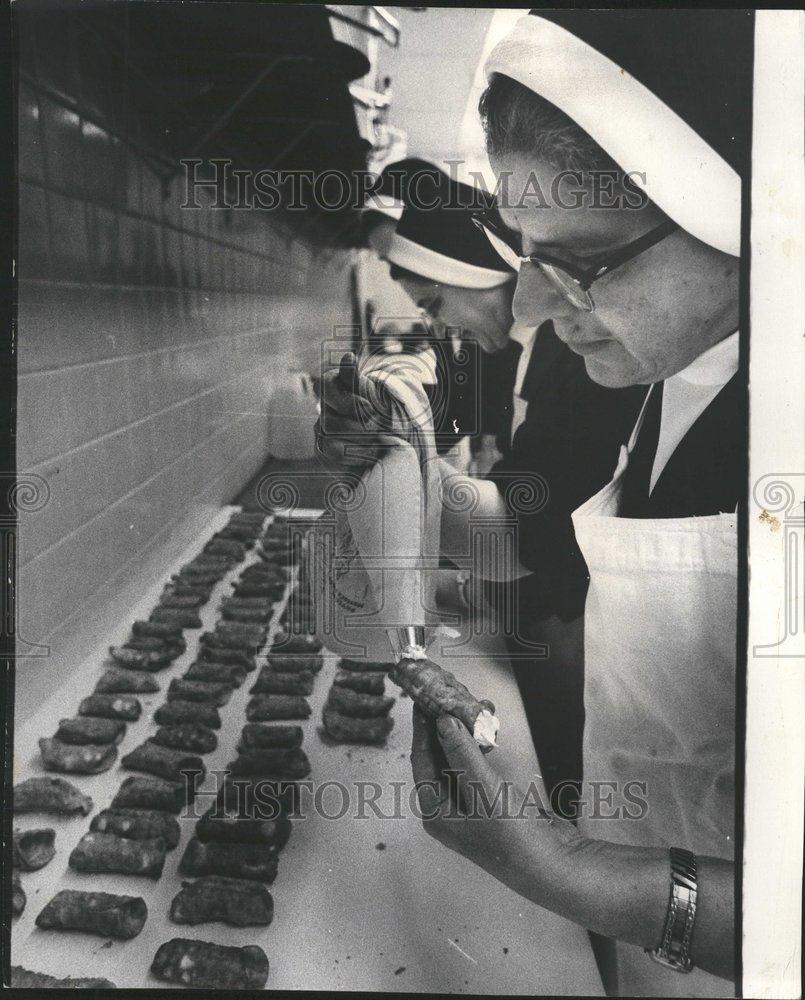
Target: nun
644	286
550	419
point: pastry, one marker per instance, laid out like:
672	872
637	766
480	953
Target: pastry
18	897
68	758
236	860
266	589
241	603
23	979
50	795
228	547
235	901
174	713
346	729
289	663
183	617
234	825
150	793
117	681
111	706
90	729
366	683
173	765
254	797
138	824
183	588
106	852
264	707
190	736
225	654
214	966
240	532
362	666
259	735
222	673
237	641
143	659
173	647
273	682
272	763
358	704
162	630
246	616
110	916
33	849
170	599
263	571
285	643
437	692
199	576
240	635
204	691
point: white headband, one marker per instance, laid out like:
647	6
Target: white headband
681	173
435	266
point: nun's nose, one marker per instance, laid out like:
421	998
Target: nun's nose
535	298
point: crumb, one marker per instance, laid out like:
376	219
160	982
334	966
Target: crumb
380	847
107	944
505	951
348	957
398	971
455	940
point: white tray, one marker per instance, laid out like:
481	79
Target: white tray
348	915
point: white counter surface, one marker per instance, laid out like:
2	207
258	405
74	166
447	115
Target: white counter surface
367	903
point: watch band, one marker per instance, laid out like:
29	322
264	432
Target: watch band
673	950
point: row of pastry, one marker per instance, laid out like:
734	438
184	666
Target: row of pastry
132	835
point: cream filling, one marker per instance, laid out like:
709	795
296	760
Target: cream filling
486	728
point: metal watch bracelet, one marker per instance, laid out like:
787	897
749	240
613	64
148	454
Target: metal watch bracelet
673	950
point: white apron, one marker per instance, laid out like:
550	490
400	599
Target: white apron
659	692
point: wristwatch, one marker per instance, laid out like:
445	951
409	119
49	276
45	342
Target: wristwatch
673	950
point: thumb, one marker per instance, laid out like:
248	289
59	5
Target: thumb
347	371
462	752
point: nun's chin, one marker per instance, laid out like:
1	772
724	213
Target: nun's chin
612	367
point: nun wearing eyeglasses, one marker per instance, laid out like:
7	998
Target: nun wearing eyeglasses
648	295
552	421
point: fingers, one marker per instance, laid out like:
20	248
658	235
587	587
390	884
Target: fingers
336	392
340	452
427	762
464	756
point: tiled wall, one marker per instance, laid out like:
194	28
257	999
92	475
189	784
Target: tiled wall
150	341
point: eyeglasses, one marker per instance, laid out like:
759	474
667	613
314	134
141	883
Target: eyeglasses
572	281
